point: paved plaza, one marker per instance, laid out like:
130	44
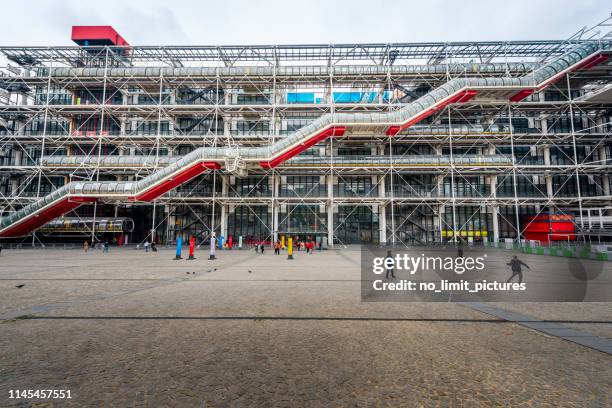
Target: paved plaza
130	328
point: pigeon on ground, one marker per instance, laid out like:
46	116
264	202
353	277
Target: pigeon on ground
20	286
250	271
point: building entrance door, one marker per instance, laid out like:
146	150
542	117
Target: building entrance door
356	225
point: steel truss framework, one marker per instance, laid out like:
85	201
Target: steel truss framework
332	54
245	106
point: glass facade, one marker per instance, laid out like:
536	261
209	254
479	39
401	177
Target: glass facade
252	222
354	224
303	219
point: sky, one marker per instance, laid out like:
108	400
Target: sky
228	22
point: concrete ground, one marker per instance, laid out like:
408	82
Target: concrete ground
130	328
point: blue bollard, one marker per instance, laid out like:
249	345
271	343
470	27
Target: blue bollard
179	247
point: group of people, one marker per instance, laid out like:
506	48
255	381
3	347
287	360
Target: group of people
105	246
149	245
308	245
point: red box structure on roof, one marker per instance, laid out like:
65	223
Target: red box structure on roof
96	35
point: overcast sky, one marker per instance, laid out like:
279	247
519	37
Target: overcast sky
224	22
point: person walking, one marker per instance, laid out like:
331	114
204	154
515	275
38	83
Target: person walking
86	246
146	245
515	264
389	269
262	248
153	247
0	249
105	247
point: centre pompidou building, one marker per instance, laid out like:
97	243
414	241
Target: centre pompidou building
411	143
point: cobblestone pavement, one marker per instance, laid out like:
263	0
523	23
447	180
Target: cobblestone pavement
134	329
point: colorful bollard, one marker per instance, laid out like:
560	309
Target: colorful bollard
191	248
220	241
179	248
290	248
213	247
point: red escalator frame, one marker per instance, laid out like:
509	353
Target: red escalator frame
459	97
332	131
587	64
47	214
175	181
